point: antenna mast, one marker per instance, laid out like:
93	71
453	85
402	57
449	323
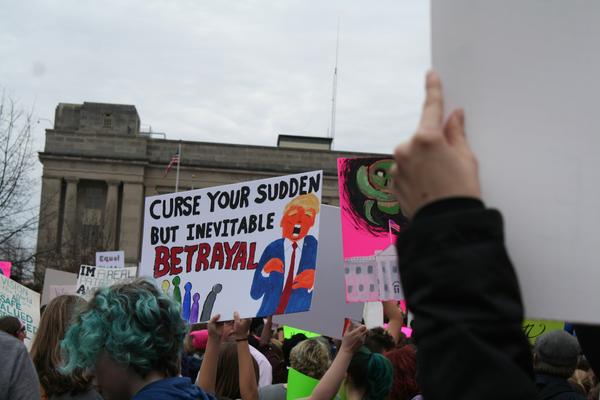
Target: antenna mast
334	89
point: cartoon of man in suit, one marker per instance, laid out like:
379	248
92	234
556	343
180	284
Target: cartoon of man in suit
285	274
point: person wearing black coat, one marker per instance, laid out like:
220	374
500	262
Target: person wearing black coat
456	274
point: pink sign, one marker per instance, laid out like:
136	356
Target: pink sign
371	217
5	266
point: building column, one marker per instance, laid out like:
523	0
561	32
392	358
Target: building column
69	233
132	209
48	226
112	205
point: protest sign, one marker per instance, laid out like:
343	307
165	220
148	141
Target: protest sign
5	267
373	314
110	259
59	290
18	301
535	328
371	217
329	307
232	247
527	76
289	331
54	277
300	386
91	278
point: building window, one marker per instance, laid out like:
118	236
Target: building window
91	235
361	288
386	287
349	288
358	270
383	267
370	269
107	121
347	270
396	287
94	197
372	288
395	269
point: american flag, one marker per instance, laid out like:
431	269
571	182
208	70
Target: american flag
392	226
174	160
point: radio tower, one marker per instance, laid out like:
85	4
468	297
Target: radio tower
334	89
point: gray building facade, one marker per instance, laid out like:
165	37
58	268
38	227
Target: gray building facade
98	168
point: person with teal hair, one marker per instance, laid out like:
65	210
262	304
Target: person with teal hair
131	335
368	375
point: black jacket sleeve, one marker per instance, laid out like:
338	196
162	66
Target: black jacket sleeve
461	287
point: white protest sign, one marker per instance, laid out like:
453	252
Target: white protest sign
329	308
54	277
92	277
18	301
110	259
60	290
250	247
373	314
526	73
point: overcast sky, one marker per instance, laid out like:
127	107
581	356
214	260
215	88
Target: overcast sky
224	71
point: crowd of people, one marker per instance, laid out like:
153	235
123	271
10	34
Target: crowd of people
129	341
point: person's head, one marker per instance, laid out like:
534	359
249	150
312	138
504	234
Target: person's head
289	344
196	341
127	332
379	340
14	327
555	353
310	357
256	327
370	374
228	375
404	362
45	351
582	378
299	216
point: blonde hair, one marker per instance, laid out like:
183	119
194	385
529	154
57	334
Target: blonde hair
307	201
311	357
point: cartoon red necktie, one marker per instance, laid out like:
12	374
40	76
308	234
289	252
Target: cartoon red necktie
287	289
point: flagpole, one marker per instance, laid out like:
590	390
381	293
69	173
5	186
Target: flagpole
178	162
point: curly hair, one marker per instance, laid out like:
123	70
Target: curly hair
135	323
404	361
310	357
379	340
45	351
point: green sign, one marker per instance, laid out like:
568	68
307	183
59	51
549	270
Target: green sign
288	332
534	328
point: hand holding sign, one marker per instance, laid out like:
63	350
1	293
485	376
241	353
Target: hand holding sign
305	280
215	328
241	327
354	339
437	162
273	265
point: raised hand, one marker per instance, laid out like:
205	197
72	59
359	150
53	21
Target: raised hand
437	162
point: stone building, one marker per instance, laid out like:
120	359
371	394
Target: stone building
98	167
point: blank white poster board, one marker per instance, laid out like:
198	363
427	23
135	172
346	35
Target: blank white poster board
527	73
329	307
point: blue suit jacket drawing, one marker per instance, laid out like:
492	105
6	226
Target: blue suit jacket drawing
270	288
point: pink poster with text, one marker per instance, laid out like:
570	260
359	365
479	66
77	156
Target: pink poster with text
5	267
371	218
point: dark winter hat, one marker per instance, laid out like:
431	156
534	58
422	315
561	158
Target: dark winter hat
557	348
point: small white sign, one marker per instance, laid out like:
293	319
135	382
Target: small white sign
110	259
